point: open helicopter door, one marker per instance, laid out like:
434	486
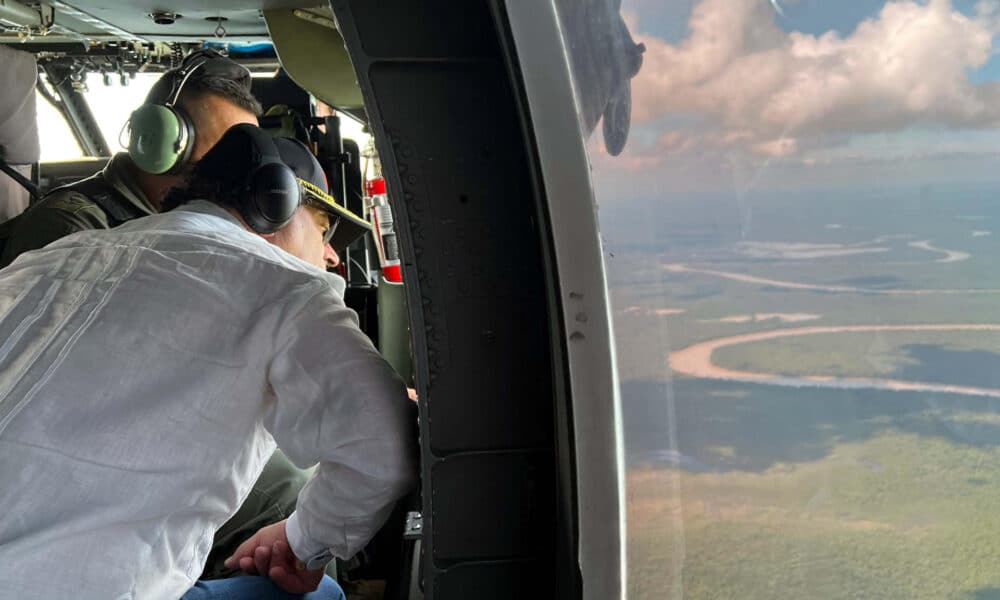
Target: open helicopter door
474	115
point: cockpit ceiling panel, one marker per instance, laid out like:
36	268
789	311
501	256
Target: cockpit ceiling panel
102	19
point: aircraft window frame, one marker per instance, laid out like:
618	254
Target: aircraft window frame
111	117
111	106
590	351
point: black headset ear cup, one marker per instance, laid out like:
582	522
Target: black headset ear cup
270	192
272	197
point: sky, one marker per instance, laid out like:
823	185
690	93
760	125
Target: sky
735	95
743	95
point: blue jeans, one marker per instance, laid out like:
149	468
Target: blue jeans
250	587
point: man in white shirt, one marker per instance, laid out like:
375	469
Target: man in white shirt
274	495
145	375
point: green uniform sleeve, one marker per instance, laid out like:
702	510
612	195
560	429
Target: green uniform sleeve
55	216
271	499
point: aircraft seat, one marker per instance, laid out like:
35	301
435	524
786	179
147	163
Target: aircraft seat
19	145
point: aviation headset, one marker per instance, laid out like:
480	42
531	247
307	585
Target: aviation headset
161	134
269	194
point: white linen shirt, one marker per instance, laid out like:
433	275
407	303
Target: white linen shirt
146	373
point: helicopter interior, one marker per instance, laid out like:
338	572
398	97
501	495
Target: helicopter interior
520	493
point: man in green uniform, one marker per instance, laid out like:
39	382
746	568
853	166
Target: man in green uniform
214	97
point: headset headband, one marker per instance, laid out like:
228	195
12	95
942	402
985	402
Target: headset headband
187	72
264	143
189	66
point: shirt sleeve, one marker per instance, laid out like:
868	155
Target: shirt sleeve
339	404
54	217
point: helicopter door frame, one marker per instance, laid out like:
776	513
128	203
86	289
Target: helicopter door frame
590	351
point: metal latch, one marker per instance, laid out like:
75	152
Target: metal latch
414	526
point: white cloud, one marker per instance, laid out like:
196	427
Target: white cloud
776	148
987	8
776	93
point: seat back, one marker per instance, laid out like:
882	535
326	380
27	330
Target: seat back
18	126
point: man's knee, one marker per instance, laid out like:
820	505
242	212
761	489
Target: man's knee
251	586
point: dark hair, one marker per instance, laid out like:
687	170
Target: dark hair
224	88
176	196
221	175
218	76
180	195
200	186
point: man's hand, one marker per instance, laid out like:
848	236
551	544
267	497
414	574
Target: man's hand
412	393
267	553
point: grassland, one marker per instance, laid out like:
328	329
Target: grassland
896	516
781	492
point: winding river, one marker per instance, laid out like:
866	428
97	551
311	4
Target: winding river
696	361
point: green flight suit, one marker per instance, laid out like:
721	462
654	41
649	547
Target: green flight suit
67	210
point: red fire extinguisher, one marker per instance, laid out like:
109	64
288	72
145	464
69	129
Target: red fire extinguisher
385	233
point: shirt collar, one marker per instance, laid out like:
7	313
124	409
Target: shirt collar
120	174
206	207
210	208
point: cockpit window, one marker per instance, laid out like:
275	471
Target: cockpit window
800	230
54	134
111	104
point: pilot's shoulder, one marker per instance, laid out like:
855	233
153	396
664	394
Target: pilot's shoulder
69	200
68	207
59	214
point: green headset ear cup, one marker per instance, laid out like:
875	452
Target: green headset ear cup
159	138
